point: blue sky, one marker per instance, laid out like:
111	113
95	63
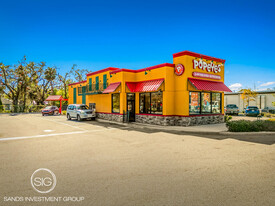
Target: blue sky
137	34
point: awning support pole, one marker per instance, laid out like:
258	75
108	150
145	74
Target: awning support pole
60	108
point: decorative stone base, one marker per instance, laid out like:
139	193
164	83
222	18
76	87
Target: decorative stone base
166	120
110	117
179	121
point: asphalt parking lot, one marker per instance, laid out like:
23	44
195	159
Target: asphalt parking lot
110	164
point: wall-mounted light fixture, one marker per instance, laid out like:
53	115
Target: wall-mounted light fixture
111	75
146	71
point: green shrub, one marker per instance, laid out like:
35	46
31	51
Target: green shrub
250	126
227	118
64	112
7	111
269	125
265	114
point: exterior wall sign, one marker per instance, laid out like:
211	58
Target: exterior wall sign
179	69
205	75
209	67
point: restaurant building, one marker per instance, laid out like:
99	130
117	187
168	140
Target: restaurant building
188	92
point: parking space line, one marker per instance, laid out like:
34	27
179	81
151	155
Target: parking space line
50	135
39	136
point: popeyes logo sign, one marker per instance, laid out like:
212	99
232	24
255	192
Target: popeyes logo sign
179	69
209	67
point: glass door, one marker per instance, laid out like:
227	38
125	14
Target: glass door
131	107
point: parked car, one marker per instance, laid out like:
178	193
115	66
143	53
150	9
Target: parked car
269	110
231	109
80	111
252	111
50	110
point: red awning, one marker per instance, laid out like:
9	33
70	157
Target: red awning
54	98
145	86
111	88
207	85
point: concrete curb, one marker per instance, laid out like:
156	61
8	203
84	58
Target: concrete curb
161	128
156	127
247	133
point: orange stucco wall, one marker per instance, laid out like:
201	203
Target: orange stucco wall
175	88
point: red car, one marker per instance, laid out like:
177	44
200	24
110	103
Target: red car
50	110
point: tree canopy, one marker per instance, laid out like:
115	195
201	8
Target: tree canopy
32	82
248	95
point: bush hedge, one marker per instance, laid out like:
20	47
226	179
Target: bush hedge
227	118
250	126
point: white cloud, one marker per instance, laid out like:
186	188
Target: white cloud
267	84
262	89
236	86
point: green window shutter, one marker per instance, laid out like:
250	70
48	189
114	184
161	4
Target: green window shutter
104	81
83	90
84	99
90	84
74	95
84	95
97	83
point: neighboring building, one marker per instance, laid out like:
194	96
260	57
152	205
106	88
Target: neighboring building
263	99
6	103
187	92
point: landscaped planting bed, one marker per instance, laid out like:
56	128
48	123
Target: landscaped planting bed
250	126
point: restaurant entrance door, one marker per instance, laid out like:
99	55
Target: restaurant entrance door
131	107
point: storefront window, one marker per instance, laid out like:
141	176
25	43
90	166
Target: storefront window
144	103
115	103
194	102
216	102
150	103
156	103
205	102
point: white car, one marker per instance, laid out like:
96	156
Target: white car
80	111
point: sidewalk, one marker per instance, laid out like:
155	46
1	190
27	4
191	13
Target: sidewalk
205	129
209	128
215	129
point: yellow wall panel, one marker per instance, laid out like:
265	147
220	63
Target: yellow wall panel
175	88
